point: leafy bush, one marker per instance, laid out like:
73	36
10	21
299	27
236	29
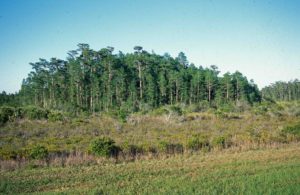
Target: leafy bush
5	114
197	142
104	147
39	152
292	131
55	116
122	115
32	112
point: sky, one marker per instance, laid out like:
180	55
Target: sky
260	38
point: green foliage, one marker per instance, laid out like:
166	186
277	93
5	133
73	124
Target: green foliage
146	131
94	81
227	107
202	106
9	100
160	111
5	114
176	110
32	112
198	142
282	91
104	147
122	115
39	152
293	130
219	142
55	116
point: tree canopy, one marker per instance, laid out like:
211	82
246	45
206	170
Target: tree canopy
283	91
94	81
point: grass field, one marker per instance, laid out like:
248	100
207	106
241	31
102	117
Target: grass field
264	171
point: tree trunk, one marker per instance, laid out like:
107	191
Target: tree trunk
140	80
209	92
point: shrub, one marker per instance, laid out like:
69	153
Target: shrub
202	106
122	115
241	106
260	109
160	111
131	149
55	116
32	112
226	107
39	152
292	131
104	147
170	148
197	142
7	154
219	142
176	110
150	148
5	114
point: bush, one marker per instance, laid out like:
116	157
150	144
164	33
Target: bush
122	115
131	149
39	152
160	111
176	110
202	106
32	112
104	147
198	142
226	107
242	106
219	142
5	114
7	154
292	131
170	148
55	116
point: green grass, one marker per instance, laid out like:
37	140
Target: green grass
264	171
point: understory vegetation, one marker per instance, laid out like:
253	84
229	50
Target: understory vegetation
38	137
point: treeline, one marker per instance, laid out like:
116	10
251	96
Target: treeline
283	91
9	99
93	81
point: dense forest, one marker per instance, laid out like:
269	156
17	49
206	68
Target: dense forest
283	91
93	81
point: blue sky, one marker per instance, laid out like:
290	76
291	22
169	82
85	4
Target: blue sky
260	38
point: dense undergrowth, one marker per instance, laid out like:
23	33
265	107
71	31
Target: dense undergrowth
34	136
